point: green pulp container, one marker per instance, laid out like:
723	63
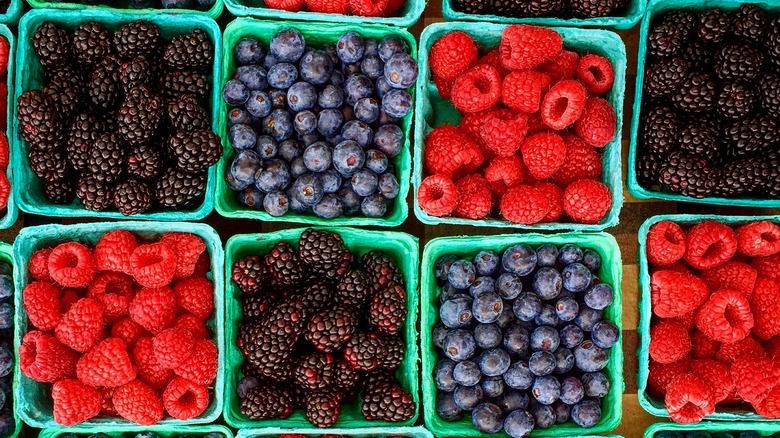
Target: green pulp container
404	248
646	400
123	7
432	111
316	35
373	432
763	428
12	14
162	431
12	211
33	399
626	20
7	256
29	74
611	273
654	9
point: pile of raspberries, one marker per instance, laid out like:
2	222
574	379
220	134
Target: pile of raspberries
715	298
363	8
5	185
534	122
120	328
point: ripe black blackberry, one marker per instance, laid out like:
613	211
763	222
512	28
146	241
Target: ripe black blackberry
106	158
660	129
772	41
698	56
736	99
752	136
315	371
95	195
268	353
185	114
769	94
140	115
352	290
193	50
700	138
103	90
714	26
387	403
60	192
268	401
374	379
254	307
39	121
175	83
323	407
665	76
50	166
688	176
285	267
387	311
134	73
91	42
594	8
52	45
82	131
66	75
749	23
345	377
317	296
145	161
738	61
648	168
136	39
194	151
176	189
132	197
325	253
329	329
364	351
250	274
770	186
395	353
743	176
681	19
67	99
381	270
665	40
696	93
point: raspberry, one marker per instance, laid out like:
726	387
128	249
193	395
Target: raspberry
450	152
562	67
437	195
716	375
476	90
195	326
44	359
555	196
393	6
747	347
688	399
172	347
154	309
149	369
543	154
39	265
475	200
493	59
5	50
71	264
687	320
195	295
773	348
368	8
285	5
703	347
41	302
535	123
726	316
563	104
137	402
527	47
754	377
74	402
503	131
106	364
660	375
665	243
112	252
452	54
758	239
596	73
676	293
201	366
503	173
4	148
184	399
598	123
767	266
669	342
153	265
443	86
770	406
187	248
710	244
587	201
114	291
582	162
471	125
765	303
107	405
522	90
731	275
328	6
82	327
524	205
69	297
202	266
128	331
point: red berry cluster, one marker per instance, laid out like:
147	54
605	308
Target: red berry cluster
119	329
715	335
5	185
364	8
534	121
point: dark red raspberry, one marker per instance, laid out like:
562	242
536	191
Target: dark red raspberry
526	47
493	59
748	347
112	252
660	375
582	162
754	377
758	239
448	151
452	54
596	73
39	265
184	399
503	173
562	106
477	90
555	196
703	347
767	266
437	195
726	316
187	248
41	301
765	302
443	86
153	265
716	375
710	244
563	66
665	243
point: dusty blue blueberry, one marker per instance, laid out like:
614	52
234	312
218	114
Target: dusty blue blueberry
576	277
512	400
301	96
278	125
456	313
590	358
446	407
259	104
253	76
298	168
564	360
494	362
439	332
544	416
316	67
358	131
275	203
389	140
305	122
282	75
459	345
466	373
243	169
605	334
548	283
356	87
487	418
570	253
487	336
492	386
443	375
350	47
519	259
348	160
288	45
376	160
349	198
367	109
389	46
329	207
401	71
572	390
249	51
599	296
235	92
562	412
330	97
519	424
546	389
519	376
482	285
242	137
588	318
252	197
308	189
442	266
372	66
318	157
6	316
329	122
397	103
468	397
545	338
542	363
487	307
290	150
462	274
516	340
547	316
387	185
596	384
365	182
586	413
527	306
486	262
567	309
273	175
295	205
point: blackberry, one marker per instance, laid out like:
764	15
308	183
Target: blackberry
66	74
139	116
91	42
352	290
268	401
110	62
145	161
387	311
250	275
771	183
60	192
39	122
132	197
66	99
315	371
364	351
752	136
395	353
742	176
748	23
696	93
134	73
193	50
738	61
381	270
50	166
545	7
665	40
254	307
769	94
736	99
594	8
387	403
82	131
665	76
94	194
178	190
688	176
714	26
194	151
103	89
698	56
323	407
329	329
772	41
660	130
177	82
324	253
506	8
700	138
285	266
185	114
268	343
106	158
345	377
52	45
681	19
648	168
138	38
317	296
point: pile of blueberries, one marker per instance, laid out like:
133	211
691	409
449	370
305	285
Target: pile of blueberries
7	424
524	338
316	129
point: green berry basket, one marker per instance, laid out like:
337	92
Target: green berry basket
373	432
12	211
316	34
646	400
28	188
611	273
123	7
7	256
403	247
763	428
433	111
33	399
654	9
162	431
12	14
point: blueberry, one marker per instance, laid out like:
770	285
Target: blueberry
329	122
590	358
367	109
507	317
252	197
360	133
145	435
519	259
348	160
462	274
548	283
588	318
592	260
389	46
301	96
282	75
318	157
372	66
571	336
572	390
289	149
542	363
350	47
586	413
546	255
235	92
492	387
273	175
371	47
564	360
487	307
547	316
241	116
546	389
567	309
519	376
269	61
376	160
459	345
298	168
512	400
331	181
278	125
288	45
519	424
308	189
486	262
456	313
337	78
605	334
544	338
242	137
386	119
6	316
570	253
6	283
347	112
439	332
487	418
450	293
211	435
243	168
176	4
349	198
329	207
494	362
599	296
467	373
397	103
249	51
278	99
330	97
482	285
389	139
374	205
316	67
527	306
356	87
446	407
259	104
516	340
305	122
596	384
442	266
401	71
468	397
276	203
576	277
487	336
365	182
544	415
